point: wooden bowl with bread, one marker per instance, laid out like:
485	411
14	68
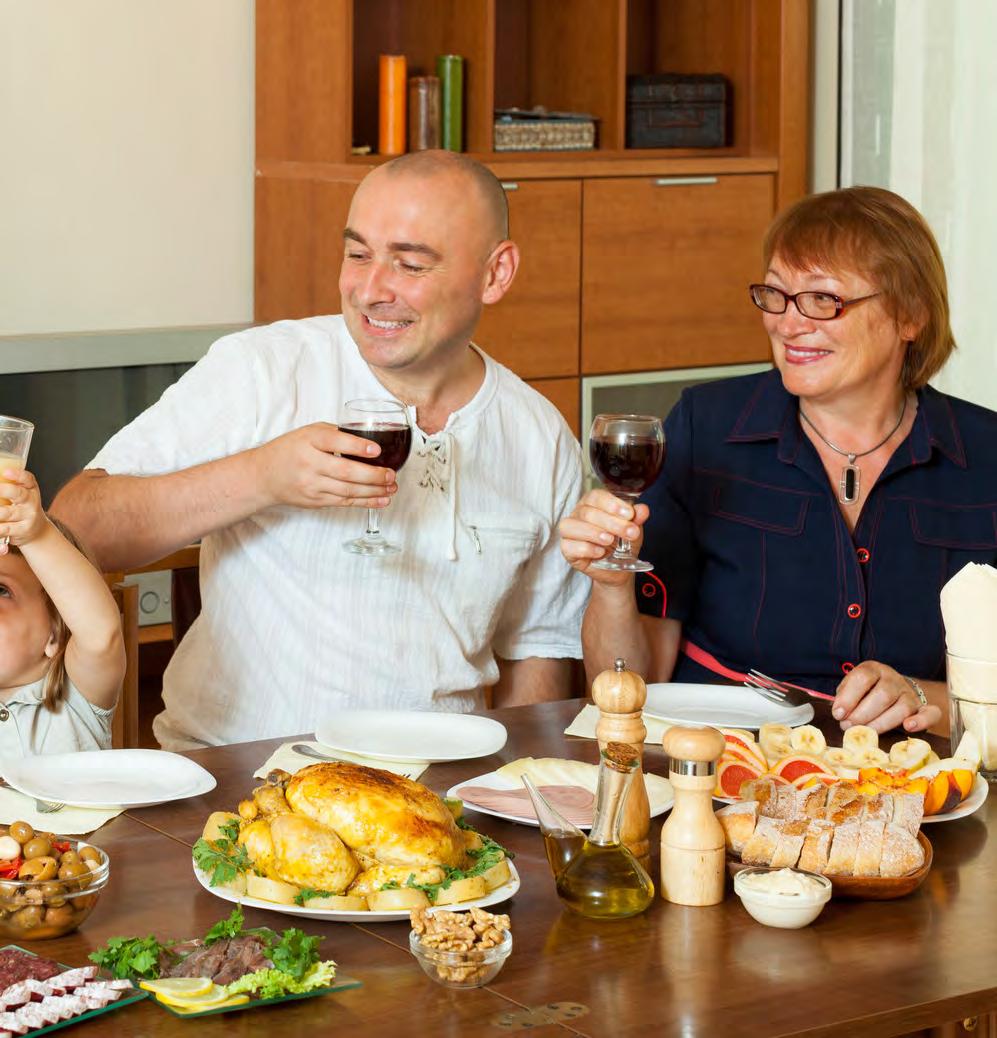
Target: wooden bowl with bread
868	845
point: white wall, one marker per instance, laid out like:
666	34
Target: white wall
126	182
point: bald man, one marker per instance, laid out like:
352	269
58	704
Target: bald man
245	454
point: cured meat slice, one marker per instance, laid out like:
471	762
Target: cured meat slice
576	804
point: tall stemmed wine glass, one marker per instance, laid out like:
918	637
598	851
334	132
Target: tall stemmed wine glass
627	452
386	423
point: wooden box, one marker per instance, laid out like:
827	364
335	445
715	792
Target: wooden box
677	111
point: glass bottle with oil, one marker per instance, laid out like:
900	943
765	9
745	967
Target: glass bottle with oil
596	875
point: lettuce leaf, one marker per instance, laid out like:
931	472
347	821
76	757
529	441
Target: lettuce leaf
275	983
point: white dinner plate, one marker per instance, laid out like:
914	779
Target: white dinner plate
493	780
502	893
411	735
973	802
723	706
109	778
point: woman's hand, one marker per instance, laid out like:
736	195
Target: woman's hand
23	519
590	533
877	695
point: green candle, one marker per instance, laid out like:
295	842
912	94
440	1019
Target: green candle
450	70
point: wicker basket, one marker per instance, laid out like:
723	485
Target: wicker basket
544	134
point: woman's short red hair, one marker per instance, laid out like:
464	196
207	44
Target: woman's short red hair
875	233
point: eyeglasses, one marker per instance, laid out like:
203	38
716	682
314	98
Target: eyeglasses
819	306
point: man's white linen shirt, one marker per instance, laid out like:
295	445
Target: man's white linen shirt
292	626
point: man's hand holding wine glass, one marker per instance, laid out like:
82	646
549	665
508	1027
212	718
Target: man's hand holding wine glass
316	466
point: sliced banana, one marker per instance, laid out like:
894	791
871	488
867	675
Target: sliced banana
911	754
839	759
876	758
776	741
860	738
808	739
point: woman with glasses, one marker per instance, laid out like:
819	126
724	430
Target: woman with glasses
807	517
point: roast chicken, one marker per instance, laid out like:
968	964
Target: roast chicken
344	827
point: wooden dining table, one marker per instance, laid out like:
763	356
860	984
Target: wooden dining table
864	968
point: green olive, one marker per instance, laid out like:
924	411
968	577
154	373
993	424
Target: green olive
54	894
60	915
28	918
75	875
69	858
22	832
89	854
37	847
38	869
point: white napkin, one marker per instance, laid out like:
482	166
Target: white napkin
969	611
68	821
584	725
290	760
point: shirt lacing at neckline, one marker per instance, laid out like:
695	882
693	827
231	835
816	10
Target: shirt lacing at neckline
438	453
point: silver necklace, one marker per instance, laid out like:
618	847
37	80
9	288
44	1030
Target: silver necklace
848	485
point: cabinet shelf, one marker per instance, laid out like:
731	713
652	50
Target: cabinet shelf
589	296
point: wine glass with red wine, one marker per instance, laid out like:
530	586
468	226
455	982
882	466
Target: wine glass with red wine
627	452
386	423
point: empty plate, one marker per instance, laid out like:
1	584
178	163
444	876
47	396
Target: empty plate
723	706
411	735
109	778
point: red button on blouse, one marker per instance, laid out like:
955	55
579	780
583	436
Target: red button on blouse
854	610
863	555
846	667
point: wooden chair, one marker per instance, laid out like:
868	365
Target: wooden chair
186	605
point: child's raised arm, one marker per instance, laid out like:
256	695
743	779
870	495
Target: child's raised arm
95	654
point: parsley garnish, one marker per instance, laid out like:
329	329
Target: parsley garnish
128	957
225	857
295	953
306	894
231	927
490	853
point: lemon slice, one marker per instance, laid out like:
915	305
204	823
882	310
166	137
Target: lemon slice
215	995
235	1000
188	987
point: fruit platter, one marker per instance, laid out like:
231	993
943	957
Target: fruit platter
801	758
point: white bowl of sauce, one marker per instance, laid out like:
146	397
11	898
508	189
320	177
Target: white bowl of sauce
788	898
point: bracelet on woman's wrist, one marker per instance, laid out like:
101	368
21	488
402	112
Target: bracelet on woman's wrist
918	691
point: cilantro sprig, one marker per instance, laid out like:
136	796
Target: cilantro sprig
307	893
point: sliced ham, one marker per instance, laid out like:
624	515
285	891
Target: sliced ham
576	804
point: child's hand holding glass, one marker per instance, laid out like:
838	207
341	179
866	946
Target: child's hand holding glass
22	517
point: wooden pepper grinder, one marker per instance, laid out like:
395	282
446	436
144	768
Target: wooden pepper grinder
620	696
692	840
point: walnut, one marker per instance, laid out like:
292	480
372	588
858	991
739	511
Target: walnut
467	934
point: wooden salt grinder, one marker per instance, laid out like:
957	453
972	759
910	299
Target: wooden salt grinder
620	696
692	840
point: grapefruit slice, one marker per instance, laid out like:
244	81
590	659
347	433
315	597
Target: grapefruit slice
796	764
737	739
732	772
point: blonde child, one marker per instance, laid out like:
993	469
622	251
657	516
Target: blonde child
62	656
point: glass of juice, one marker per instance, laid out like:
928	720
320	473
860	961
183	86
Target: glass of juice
627	452
15	439
386	423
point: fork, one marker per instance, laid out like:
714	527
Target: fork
781	691
48	807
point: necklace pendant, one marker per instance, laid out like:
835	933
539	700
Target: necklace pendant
848	486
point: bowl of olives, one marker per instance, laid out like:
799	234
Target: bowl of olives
48	885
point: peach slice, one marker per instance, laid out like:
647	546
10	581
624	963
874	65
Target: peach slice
918	785
943	794
963	778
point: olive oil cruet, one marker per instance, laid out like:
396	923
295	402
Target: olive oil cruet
596	875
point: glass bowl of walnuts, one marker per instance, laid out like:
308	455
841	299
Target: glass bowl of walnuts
48	884
460	949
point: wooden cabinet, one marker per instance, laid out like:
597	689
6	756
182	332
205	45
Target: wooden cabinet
618	274
565	395
534	329
667	262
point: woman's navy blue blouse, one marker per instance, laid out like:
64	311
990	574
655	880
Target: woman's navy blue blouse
752	554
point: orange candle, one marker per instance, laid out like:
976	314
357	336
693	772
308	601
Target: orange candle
391	126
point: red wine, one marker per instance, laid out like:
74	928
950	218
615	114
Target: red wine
627	465
394	439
